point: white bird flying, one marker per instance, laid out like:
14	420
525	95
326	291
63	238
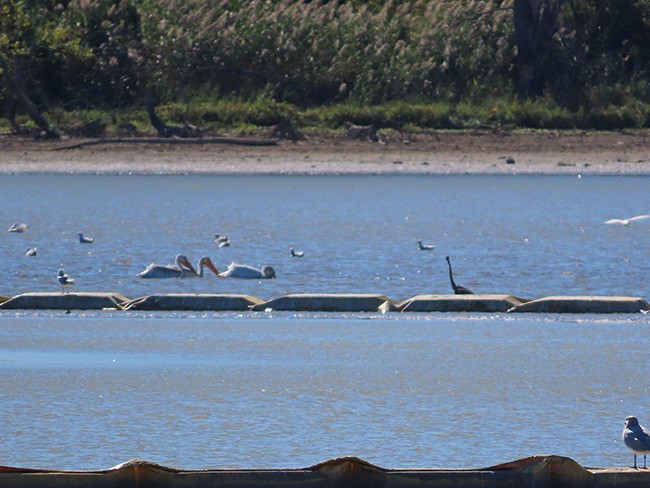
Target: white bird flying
626	221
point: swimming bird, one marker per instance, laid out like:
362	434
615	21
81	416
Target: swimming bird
296	254
31	251
636	438
627	221
19	227
426	247
222	241
458	290
64	280
243	271
182	268
85	240
207	262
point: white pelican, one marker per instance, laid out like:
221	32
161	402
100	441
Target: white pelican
426	247
85	240
207	262
243	271
64	280
182	268
627	221
296	254
31	251
19	227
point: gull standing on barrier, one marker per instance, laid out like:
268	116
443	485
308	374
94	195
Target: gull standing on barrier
636	438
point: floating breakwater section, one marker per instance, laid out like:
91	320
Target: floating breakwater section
534	472
329	302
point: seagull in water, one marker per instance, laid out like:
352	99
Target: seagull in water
222	241
636	438
64	280
19	227
626	221
426	247
296	254
31	251
85	240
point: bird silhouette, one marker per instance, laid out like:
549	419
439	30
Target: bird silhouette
636	438
458	289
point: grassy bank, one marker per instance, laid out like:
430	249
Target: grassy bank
233	116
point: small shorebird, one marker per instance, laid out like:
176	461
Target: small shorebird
426	247
64	280
296	254
31	251
19	227
636	438
85	240
627	221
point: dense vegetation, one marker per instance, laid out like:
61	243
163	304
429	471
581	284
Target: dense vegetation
436	63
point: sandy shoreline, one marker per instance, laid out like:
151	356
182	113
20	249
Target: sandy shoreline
421	153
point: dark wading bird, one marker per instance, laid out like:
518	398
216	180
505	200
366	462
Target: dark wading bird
458	289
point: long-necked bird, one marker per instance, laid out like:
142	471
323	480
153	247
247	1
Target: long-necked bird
458	289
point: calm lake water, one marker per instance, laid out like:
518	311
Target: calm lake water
264	390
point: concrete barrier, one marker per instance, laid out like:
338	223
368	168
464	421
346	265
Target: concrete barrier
460	303
328	302
534	472
65	301
583	304
193	302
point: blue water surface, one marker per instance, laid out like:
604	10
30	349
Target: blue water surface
88	390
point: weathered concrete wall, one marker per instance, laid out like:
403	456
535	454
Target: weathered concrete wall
329	302
532	472
65	301
193	302
460	303
584	304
